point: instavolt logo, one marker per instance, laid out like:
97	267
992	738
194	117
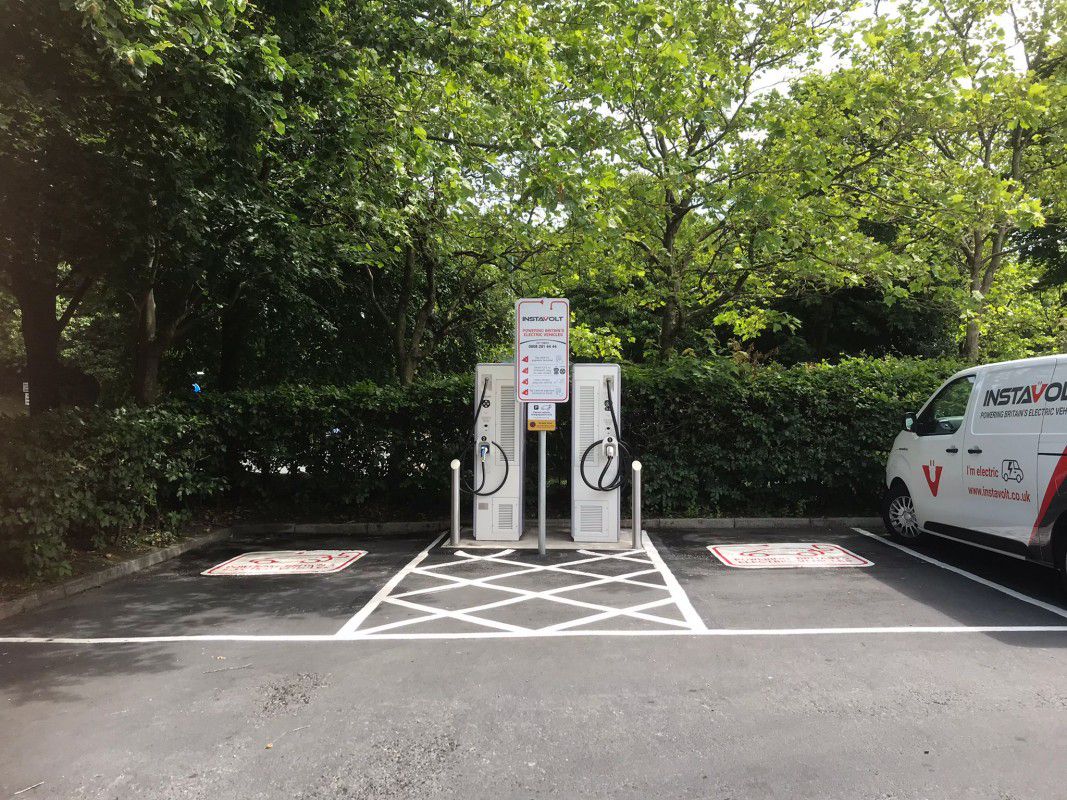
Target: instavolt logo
1022	395
541	318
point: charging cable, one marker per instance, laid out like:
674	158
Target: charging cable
612	448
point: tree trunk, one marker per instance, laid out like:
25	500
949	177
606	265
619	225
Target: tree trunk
406	369
234	333
40	334
146	373
151	344
671	318
970	343
668	327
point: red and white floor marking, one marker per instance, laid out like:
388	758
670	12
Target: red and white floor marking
786	555
288	562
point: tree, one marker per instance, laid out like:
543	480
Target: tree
991	158
697	189
434	204
59	226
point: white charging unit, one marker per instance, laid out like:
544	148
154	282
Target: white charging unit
595	515
499	454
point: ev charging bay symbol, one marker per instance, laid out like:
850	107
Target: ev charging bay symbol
786	555
288	562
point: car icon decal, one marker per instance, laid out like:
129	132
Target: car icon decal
1011	471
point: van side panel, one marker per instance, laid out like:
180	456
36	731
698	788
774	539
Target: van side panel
999	459
1052	464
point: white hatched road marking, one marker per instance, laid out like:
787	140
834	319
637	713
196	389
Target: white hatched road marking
648	561
357	620
680	597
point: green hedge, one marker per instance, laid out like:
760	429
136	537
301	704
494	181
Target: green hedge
312	449
812	439
716	438
97	479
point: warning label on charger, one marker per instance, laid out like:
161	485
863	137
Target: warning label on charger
288	562
786	555
540	416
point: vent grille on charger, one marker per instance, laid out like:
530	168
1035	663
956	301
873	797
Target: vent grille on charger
505	516
590	518
506	422
586	398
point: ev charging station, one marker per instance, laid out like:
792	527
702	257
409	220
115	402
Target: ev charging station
499	454
596	453
543	376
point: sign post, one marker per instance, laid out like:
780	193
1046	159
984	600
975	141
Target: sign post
542	376
542	459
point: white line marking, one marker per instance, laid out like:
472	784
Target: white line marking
520	595
697	628
550	568
462	616
641	559
719	632
970	575
491	582
681	599
633	611
375	601
469	556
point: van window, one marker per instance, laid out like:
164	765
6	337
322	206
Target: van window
944	414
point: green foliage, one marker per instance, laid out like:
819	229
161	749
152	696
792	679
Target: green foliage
337	448
720	437
972	143
333	190
734	439
97	479
717	438
699	196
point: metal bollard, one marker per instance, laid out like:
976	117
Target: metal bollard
455	502
638	544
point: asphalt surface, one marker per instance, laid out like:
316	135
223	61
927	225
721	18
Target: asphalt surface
668	711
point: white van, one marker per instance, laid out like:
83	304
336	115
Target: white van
985	462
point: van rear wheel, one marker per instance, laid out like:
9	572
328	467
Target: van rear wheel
898	514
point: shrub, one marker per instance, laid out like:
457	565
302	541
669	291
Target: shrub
96	478
735	439
717	438
312	449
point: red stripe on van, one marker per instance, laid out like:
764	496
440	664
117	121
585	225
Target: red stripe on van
1055	484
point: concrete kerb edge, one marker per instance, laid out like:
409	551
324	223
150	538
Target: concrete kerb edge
94	579
340	528
436	526
723	523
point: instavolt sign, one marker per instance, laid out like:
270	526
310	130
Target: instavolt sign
542	350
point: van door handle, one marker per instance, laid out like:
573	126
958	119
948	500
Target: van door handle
974	450
952	449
